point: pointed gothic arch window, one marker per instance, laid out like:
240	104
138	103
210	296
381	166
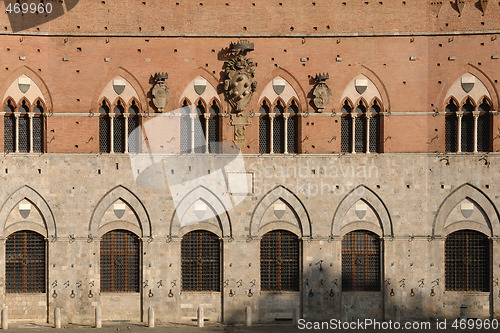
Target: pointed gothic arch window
346	128
200	129
264	129
37	128
134	136
23	128
375	128
213	134
104	128
278	128
484	126
293	128
118	128
451	126
9	127
467	127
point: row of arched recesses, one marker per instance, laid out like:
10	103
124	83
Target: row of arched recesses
468	125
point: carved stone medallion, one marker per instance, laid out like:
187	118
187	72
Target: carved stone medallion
322	95
239	85
160	92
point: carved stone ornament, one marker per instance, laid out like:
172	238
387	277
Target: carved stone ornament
321	93
240	86
160	91
239	121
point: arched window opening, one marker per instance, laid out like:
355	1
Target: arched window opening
120	262
293	128
264	129
346	128
279	261
200	129
9	126
467	261
360	129
278	129
200	261
214	139
118	128
25	253
23	126
134	136
104	128
37	122
484	126
451	127
374	128
361	261
185	128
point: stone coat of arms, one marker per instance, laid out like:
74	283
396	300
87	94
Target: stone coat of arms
239	85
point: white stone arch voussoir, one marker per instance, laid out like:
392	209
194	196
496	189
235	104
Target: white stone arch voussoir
212	201
281	193
120	193
28	193
361	192
470	192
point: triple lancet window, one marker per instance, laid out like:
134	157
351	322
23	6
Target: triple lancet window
200	128
23	127
116	128
360	128
279	130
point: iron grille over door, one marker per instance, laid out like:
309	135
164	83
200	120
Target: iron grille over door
361	261
120	271
467	261
279	261
451	133
9	134
25	262
200	256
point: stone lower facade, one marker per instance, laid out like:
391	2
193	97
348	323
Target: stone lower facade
412	203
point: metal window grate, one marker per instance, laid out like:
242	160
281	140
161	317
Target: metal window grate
119	134
279	261
25	263
360	139
214	134
200	256
120	270
104	135
361	261
38	134
345	133
467	133
483	132
185	134
293	133
264	134
451	133
200	132
279	134
24	133
467	262
375	134
9	134
134	136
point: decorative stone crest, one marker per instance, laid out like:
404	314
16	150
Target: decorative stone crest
321	92
160	91
239	121
239	85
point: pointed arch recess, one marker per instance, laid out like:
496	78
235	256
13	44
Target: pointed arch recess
28	193
467	191
361	192
179	85
120	71
471	69
281	193
285	74
35	78
120	193
212	201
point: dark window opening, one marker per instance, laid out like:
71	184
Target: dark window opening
120	253
200	261
361	261
279	261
